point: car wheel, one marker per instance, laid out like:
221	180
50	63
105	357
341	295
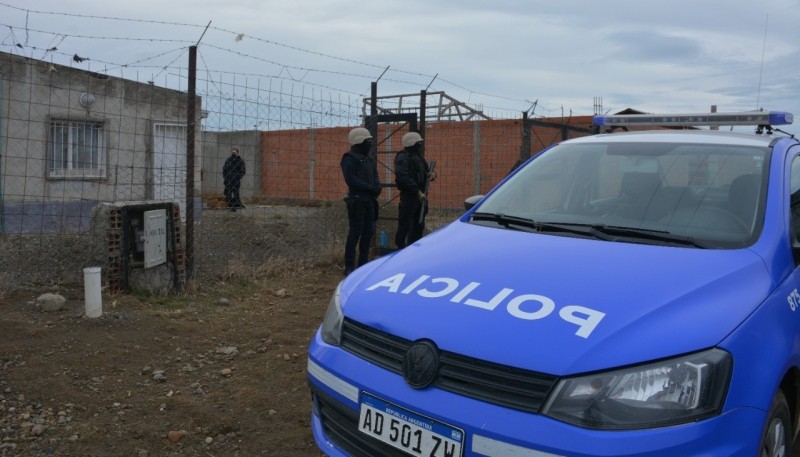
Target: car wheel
776	439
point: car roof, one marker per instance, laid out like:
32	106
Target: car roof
680	136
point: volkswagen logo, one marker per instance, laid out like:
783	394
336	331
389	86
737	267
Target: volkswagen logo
421	364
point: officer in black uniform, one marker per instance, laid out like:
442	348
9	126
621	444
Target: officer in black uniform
363	184
411	172
233	171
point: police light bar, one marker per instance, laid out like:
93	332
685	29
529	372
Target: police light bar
694	120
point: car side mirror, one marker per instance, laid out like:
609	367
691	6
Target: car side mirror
472	201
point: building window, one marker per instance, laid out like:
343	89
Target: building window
77	149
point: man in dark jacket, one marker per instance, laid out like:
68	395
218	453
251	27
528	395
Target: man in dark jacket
411	174
363	187
232	172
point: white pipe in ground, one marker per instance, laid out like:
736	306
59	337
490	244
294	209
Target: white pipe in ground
93	297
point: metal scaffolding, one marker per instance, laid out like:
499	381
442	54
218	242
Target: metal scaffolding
446	109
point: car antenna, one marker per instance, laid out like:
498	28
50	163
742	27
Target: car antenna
761	71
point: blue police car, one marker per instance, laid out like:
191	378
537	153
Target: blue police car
621	294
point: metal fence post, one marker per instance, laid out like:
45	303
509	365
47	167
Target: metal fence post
476	157
525	149
190	138
311	163
2	197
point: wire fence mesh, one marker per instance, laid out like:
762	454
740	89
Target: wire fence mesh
87	157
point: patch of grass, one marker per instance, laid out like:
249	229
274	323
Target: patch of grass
175	300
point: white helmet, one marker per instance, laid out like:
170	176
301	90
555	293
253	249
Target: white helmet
358	135
410	139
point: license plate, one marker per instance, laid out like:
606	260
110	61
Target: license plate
408	431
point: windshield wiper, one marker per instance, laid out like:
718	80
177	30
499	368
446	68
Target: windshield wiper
530	225
615	233
512	222
596	231
618	233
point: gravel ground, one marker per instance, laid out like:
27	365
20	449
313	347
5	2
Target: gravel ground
216	371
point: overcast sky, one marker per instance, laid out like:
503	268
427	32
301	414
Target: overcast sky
502	56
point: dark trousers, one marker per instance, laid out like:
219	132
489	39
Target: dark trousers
361	218
409	227
232	193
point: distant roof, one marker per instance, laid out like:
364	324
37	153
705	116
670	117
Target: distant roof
631	111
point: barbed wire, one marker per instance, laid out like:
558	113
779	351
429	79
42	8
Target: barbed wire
261	75
99	37
236	34
87	16
240	54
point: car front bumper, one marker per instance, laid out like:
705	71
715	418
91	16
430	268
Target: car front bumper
338	380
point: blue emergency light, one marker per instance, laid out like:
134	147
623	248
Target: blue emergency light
697	119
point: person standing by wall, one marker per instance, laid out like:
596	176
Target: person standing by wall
411	173
363	187
232	172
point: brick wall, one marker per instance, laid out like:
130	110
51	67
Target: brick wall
471	158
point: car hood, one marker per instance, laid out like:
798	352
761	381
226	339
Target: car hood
555	304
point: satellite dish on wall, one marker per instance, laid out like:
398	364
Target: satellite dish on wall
86	100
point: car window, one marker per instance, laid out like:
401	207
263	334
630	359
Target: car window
794	189
708	192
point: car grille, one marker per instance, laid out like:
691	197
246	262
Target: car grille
340	425
486	381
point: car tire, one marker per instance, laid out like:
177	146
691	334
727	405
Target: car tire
776	438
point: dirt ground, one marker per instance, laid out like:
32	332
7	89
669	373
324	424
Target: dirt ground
213	372
209	372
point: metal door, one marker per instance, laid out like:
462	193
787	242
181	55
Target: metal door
169	164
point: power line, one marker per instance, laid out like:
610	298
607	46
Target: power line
238	37
306	69
168	65
95	37
237	34
53	13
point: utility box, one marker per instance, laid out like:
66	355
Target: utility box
155	237
151	257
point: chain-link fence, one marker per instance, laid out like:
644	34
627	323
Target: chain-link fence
94	172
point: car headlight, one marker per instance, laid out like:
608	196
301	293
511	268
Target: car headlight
668	392
332	324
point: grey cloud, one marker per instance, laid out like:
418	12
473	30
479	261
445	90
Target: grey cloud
657	47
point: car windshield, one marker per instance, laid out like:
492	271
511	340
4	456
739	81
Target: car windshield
696	195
